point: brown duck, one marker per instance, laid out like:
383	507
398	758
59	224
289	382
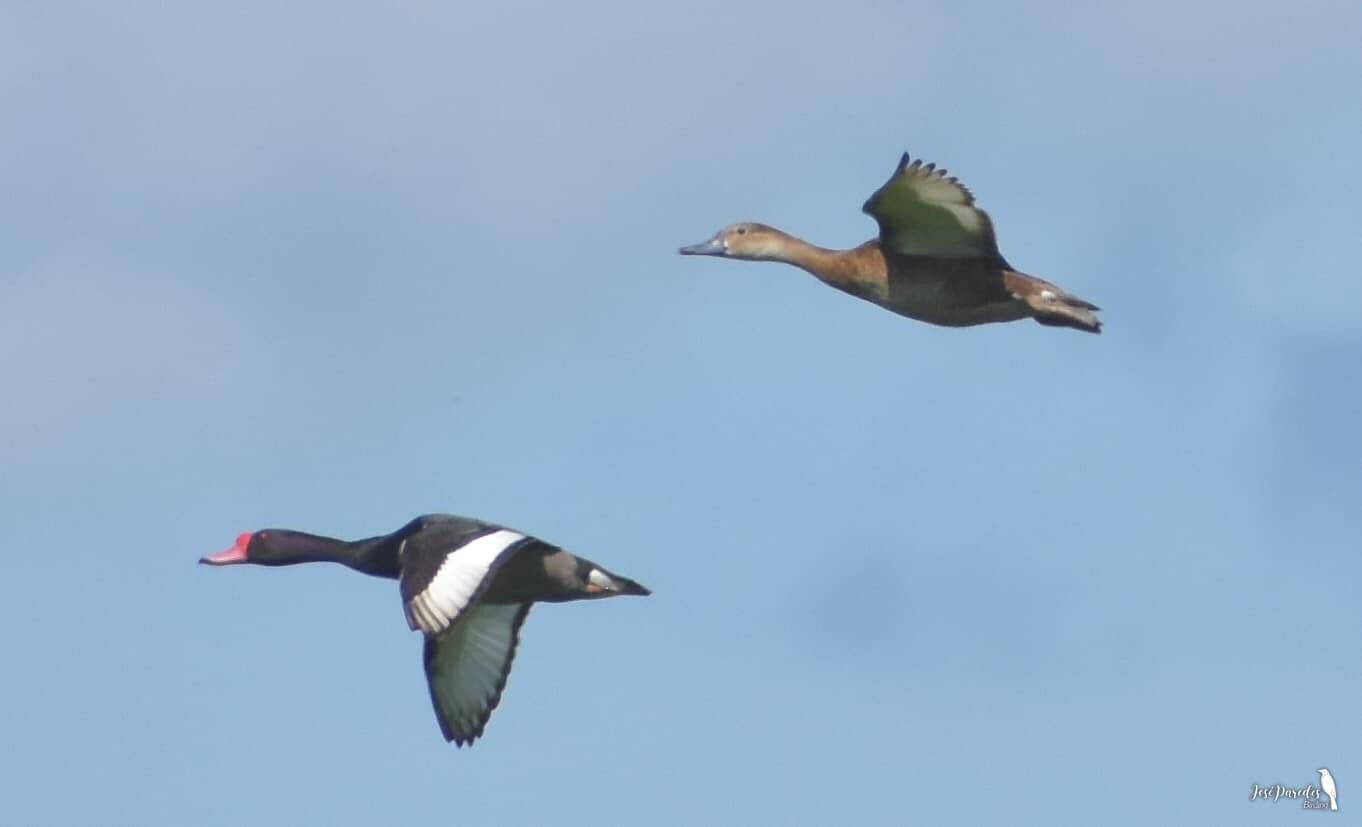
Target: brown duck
936	259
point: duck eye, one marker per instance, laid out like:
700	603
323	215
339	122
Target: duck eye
742	231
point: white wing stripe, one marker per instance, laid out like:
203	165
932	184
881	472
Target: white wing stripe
426	616
457	580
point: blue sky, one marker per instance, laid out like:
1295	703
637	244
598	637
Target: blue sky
330	266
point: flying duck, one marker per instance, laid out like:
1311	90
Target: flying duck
466	584
936	258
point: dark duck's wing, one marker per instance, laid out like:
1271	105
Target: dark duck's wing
467	668
447	566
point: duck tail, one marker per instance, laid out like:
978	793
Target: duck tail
1070	312
1052	306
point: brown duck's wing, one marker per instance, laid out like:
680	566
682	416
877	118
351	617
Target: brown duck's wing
923	211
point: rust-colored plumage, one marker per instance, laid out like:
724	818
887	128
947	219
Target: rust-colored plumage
936	258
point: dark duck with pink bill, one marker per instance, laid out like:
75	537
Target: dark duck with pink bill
466	584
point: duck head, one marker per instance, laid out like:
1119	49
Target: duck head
238	553
745	240
275	547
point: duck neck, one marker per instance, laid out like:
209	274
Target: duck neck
375	555
836	267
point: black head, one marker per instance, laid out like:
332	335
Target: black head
276	547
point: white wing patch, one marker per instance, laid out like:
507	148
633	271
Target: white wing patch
456	582
467	667
923	210
936	188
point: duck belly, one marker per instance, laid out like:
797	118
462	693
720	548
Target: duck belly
944	304
953	292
